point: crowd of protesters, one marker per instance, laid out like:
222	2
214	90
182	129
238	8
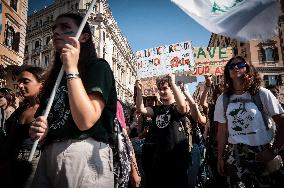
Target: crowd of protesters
231	137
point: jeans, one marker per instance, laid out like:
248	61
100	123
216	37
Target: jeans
196	160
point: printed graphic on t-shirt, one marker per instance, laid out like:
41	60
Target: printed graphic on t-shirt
60	112
163	120
241	119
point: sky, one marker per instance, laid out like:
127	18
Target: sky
150	23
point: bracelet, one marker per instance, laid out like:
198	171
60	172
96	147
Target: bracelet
72	76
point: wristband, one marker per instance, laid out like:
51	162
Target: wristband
72	76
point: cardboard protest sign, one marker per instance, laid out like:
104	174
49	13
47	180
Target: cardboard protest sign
174	58
211	60
149	87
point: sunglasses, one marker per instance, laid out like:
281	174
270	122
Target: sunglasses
236	65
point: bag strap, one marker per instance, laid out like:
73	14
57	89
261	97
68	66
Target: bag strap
257	101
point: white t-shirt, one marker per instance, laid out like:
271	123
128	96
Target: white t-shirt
245	122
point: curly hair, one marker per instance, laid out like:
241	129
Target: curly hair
251	79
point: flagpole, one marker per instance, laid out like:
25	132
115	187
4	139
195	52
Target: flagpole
58	80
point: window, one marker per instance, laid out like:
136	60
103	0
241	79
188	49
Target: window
47	40
13	4
10	34
88	5
104	36
26	49
268	52
270	80
37	44
46	60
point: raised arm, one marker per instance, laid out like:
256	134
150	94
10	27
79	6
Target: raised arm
203	99
194	110
179	98
148	111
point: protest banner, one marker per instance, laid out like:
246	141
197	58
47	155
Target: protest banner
174	58
210	60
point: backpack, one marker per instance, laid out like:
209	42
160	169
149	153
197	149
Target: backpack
122	150
254	98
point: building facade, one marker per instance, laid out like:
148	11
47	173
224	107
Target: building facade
13	15
109	41
267	56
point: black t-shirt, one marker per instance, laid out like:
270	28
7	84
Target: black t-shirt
170	135
98	78
170	160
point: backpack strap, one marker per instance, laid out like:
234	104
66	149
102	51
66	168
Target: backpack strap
226	100
257	101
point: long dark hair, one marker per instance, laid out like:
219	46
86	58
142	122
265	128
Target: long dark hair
87	50
39	74
251	79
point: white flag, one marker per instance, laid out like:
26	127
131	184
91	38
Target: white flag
239	19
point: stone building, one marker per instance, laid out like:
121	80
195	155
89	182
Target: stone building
267	56
109	41
13	15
